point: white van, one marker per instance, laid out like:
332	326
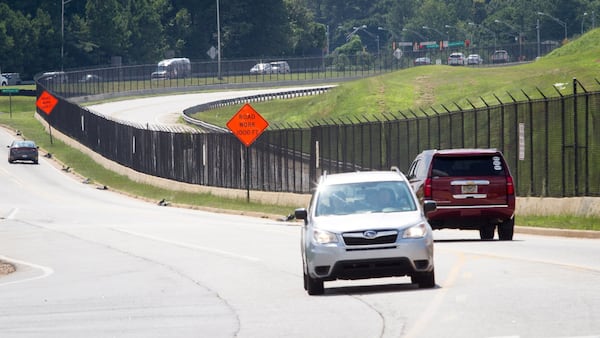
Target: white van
173	68
280	67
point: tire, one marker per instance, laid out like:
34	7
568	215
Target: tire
425	280
486	232
314	286
305	281
506	230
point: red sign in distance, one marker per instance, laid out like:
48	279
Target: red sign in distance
46	102
247	125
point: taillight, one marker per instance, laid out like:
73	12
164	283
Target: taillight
427	188
510	188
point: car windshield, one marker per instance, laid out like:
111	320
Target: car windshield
364	197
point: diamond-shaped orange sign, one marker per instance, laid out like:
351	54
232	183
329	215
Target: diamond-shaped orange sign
247	124
46	102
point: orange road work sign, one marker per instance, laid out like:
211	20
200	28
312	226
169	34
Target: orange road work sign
46	102
247	125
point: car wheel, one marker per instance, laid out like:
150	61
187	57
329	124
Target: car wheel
314	286
305	281
506	230
425	280
486	232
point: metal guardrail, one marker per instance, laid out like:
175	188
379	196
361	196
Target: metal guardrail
245	99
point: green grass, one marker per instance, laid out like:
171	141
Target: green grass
560	222
430	86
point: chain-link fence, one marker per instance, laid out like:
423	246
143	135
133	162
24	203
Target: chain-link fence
231	73
552	145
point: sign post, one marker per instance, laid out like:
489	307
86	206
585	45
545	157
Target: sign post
10	91
247	125
46	103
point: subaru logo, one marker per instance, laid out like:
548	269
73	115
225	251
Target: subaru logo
370	234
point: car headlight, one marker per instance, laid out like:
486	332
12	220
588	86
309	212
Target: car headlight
417	231
324	237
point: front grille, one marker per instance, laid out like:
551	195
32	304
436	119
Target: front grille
371	248
374	268
372	238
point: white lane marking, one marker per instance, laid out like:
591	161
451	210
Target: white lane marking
46	271
190	246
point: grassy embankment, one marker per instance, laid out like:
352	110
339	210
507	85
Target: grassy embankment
414	88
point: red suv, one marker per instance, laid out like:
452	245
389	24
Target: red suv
473	189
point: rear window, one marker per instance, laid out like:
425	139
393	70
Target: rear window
468	166
24	144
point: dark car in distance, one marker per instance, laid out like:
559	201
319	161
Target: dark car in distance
23	150
473	190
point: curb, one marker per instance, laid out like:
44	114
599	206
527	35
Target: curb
589	234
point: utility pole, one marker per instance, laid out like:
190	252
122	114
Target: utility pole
62	32
218	43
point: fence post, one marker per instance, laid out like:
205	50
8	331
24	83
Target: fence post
531	152
546	185
575	138
562	112
437	116
489	122
450	145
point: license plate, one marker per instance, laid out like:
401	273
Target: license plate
468	189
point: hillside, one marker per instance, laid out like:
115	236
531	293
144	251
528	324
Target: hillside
431	86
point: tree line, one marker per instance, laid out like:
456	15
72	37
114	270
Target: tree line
44	35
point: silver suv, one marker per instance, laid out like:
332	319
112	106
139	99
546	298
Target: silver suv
365	225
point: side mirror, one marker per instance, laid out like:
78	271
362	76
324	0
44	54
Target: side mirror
301	213
429	206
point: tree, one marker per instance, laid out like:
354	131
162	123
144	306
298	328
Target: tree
255	28
146	30
306	35
109	28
